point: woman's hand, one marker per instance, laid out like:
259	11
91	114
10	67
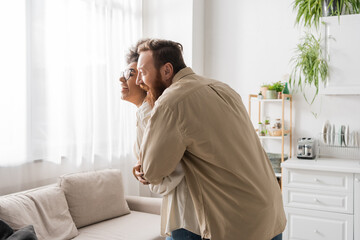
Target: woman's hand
138	174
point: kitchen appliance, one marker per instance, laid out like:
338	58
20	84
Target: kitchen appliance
306	148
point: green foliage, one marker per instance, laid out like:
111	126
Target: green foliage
278	86
271	87
310	11
310	68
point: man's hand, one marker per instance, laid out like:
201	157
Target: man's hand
139	175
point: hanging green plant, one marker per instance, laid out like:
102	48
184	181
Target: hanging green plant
310	68
310	11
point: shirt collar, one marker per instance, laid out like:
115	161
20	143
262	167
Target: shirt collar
182	73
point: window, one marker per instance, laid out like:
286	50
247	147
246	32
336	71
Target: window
60	95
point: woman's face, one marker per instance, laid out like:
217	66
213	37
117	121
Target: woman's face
129	90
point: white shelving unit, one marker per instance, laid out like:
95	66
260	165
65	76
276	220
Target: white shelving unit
286	135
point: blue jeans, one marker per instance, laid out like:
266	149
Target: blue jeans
278	237
183	234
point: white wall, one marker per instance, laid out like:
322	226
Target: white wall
242	43
248	43
178	20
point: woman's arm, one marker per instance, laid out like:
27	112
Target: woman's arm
170	182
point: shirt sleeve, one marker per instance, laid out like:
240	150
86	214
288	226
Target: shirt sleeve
169	183
162	147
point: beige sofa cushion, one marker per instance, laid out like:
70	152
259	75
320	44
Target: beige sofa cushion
144	204
44	208
94	196
134	226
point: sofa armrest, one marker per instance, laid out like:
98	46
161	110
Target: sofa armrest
144	204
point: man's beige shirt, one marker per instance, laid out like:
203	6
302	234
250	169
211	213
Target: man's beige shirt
177	208
204	123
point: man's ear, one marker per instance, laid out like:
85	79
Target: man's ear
167	72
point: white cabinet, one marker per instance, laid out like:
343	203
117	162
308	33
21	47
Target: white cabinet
342	37
317	225
322	199
357	207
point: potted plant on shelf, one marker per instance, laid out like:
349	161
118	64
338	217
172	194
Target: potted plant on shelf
310	68
271	92
274	89
310	11
278	87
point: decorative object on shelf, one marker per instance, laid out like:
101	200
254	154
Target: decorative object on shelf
261	129
310	11
286	89
277	124
310	67
275	132
260	96
267	125
263	89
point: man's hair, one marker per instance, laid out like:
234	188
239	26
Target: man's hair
133	55
164	51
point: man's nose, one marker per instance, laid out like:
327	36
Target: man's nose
122	79
138	79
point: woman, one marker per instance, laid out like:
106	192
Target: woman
178	218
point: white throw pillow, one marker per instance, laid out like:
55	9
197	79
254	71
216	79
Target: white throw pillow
94	196
44	208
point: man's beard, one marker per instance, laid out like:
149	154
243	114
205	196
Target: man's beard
154	92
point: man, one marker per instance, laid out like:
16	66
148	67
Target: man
178	219
204	124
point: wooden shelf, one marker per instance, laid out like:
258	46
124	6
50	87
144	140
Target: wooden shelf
267	100
286	98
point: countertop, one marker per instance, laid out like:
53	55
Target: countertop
325	164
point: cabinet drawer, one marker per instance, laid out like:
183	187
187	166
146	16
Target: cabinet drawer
317	225
333	181
341	202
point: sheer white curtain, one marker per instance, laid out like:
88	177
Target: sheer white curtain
66	106
77	53
13	92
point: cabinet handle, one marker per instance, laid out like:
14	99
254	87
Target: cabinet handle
316	231
316	200
316	180
357	180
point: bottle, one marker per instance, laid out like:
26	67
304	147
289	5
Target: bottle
278	123
286	89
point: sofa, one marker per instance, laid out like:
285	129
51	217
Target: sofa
87	205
